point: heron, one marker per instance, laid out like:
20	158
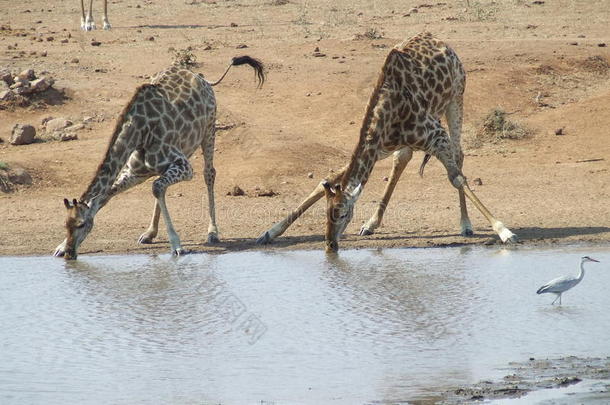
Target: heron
562	284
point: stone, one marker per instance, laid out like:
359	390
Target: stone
6	95
266	193
57	124
413	11
27	74
23	134
22	90
237	191
478	181
6	77
310	175
41	84
68	136
18	175
559	131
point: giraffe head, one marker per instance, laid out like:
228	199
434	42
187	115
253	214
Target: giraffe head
339	212
78	224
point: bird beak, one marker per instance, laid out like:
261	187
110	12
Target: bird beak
593	260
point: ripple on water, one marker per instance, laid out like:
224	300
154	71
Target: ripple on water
358	327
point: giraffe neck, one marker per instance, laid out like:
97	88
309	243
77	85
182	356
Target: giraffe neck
369	147
120	148
99	191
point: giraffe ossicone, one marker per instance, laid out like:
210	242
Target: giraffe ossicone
421	80
159	129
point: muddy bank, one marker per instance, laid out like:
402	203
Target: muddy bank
592	375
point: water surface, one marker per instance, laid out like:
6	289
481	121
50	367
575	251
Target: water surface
382	326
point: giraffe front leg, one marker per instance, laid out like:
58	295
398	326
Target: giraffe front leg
178	171
281	226
400	160
210	177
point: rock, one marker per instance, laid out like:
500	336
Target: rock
6	95
385	178
4	85
44	53
266	193
559	131
20	82
40	84
23	90
64	41
237	191
602	44
234	25
6	77
27	74
478	181
74	60
310	175
67	136
95	43
413	11
18	175
23	134
57	124
241	46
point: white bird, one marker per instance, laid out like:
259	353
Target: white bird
562	284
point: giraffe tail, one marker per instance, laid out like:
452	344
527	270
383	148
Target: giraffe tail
256	64
423	164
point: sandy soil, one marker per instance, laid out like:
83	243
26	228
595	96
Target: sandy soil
546	188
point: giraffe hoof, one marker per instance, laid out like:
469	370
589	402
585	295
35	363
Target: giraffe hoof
264	239
467	232
512	239
145	239
179	252
59	252
212	239
365	231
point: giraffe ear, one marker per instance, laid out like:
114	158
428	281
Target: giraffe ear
67	203
328	189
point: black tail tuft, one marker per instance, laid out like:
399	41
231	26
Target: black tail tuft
256	64
423	164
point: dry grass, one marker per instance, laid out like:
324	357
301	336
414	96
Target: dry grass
496	128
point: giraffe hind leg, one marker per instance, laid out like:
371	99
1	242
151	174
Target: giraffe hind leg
107	25
444	152
454	114
87	23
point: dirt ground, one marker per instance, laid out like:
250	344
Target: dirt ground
545	63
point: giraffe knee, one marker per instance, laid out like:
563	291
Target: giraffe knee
158	188
457	180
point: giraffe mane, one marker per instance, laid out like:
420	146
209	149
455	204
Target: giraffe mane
115	134
366	122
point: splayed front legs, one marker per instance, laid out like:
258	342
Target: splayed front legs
280	227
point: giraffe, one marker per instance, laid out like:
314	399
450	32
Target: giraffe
86	21
421	79
162	125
